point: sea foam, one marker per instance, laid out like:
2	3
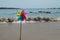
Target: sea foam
24	22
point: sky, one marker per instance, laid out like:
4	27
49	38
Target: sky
30	3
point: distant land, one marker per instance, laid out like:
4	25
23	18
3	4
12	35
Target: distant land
21	8
8	8
53	8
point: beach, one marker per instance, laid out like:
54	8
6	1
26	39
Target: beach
30	31
9	31
41	31
41	24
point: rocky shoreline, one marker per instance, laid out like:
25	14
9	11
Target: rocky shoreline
29	19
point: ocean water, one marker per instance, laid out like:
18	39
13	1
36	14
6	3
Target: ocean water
55	13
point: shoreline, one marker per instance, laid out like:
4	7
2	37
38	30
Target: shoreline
30	31
36	19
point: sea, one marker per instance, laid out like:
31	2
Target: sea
31	12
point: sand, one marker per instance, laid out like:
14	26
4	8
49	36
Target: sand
9	31
30	31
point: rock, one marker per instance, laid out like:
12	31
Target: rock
44	12
39	11
6	20
46	19
37	19
55	20
28	19
48	12
10	20
2	19
30	12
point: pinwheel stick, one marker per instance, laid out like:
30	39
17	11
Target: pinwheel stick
20	29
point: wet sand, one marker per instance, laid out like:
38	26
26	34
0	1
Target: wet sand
41	31
9	31
30	31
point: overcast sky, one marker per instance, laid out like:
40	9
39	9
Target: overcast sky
30	3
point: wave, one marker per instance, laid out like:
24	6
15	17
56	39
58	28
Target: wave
20	22
24	22
56	18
